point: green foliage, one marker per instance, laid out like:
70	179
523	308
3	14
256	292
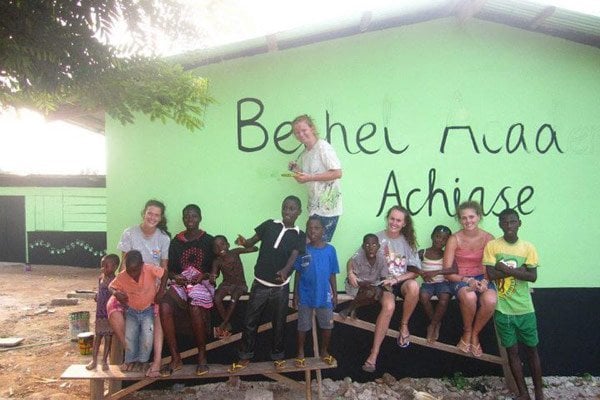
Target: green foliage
457	380
55	58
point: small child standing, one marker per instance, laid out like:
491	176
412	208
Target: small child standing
315	290
365	270
434	282
234	282
108	266
281	242
513	262
136	289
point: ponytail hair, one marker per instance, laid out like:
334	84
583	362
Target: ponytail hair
162	225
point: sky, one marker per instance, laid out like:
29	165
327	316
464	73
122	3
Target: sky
32	146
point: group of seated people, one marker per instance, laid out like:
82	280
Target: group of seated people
165	277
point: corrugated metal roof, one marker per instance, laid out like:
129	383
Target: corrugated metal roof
527	15
549	20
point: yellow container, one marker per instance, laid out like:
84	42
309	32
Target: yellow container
86	342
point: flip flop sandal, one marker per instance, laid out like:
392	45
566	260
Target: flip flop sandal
369	367
202	369
329	360
476	350
279	365
463	346
403	341
300	362
167	370
235	367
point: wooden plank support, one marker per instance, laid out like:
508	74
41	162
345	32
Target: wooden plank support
266	368
418	340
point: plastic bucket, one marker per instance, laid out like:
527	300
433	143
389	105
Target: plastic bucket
85	340
78	322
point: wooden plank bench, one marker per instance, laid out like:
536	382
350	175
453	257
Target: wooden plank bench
501	360
98	377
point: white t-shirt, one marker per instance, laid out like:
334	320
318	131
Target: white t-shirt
324	197
398	253
153	248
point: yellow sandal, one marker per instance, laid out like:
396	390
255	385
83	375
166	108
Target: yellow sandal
279	365
238	366
329	360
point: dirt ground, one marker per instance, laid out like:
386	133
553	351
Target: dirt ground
32	370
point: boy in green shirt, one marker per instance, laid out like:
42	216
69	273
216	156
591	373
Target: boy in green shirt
512	263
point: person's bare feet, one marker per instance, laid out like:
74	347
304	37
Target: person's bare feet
91	365
105	366
153	371
126	367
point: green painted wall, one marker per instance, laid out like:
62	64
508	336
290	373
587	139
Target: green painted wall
531	99
62	209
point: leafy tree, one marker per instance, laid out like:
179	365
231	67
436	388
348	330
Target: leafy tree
55	57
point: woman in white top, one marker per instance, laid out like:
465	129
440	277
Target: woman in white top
319	168
151	239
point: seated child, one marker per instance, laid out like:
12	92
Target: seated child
434	282
512	263
234	283
108	266
136	288
365	270
315	290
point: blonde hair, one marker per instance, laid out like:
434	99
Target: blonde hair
308	120
472	205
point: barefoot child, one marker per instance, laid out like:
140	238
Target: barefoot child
281	242
315	290
364	272
136	289
434	282
513	262
108	266
234	282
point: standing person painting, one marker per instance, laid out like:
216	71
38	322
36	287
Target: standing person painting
320	169
476	295
399	245
151	239
190	294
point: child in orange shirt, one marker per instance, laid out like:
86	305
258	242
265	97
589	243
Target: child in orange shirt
136	289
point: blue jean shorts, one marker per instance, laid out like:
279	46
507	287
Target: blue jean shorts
456	286
329	225
324	318
436	288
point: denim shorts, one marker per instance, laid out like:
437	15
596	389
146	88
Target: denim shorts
456	286
329	225
436	288
324	318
